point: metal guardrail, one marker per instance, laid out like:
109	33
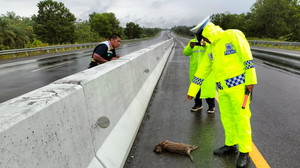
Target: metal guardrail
89	45
39	49
274	43
284	60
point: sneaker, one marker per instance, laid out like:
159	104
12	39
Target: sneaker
226	150
196	108
243	160
211	110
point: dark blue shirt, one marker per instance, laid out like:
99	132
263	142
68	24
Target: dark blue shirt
102	50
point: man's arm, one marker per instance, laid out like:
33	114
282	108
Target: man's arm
188	50
243	50
98	58
203	70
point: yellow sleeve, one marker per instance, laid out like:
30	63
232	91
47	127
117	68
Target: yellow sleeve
243	50
187	51
202	72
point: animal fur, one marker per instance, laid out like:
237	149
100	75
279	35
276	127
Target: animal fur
174	147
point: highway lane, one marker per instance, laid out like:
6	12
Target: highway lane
276	116
26	74
275	121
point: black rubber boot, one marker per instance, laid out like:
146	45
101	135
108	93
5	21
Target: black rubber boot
226	150
243	160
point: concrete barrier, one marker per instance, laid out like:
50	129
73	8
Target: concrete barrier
89	119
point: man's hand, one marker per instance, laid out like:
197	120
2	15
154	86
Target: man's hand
116	57
249	88
192	44
188	98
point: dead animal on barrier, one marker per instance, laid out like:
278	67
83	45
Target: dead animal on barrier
174	147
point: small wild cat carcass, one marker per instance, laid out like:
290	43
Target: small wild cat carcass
175	148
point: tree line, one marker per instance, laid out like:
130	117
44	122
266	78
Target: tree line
271	19
55	24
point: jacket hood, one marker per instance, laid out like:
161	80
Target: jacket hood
212	32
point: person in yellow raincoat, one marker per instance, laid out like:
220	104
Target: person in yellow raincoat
232	64
195	50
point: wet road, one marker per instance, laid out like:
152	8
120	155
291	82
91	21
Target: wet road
275	121
22	77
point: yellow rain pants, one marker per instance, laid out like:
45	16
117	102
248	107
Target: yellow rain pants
235	120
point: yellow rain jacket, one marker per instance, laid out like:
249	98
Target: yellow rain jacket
231	63
233	58
196	55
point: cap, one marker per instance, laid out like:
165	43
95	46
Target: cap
200	26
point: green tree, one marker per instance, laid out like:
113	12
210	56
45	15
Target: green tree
21	37
54	24
150	32
229	21
15	31
84	33
105	24
7	35
133	30
277	18
270	17
294	20
183	30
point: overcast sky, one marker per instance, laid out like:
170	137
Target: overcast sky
146	13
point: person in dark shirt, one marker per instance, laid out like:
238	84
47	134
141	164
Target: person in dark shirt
105	51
